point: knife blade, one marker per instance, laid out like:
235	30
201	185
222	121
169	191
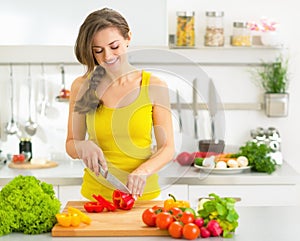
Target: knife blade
213	107
195	108
178	105
113	180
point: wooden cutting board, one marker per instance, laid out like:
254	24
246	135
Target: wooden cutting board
29	165
117	223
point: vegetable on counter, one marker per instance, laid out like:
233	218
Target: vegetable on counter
27	205
172	203
122	200
219	216
258	157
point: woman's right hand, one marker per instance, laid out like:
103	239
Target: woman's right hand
92	156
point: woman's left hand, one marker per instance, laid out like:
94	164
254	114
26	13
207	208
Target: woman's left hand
136	183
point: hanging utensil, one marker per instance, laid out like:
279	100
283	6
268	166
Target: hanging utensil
64	94
213	109
30	125
44	103
178	106
12	127
195	108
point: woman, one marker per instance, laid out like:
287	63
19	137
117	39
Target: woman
113	109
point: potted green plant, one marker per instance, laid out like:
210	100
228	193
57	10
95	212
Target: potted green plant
273	78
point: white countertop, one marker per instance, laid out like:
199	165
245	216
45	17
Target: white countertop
70	172
255	223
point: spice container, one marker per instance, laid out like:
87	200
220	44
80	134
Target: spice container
214	35
241	34
25	147
185	35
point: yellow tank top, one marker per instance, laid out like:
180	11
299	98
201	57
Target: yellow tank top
125	136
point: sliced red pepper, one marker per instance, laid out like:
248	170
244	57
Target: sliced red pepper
109	206
123	200
93	207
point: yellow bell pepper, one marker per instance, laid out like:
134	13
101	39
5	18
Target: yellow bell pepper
67	220
83	217
172	203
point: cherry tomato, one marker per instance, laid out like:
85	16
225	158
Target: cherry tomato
18	158
163	220
176	212
187	217
175	229
190	231
149	217
158	209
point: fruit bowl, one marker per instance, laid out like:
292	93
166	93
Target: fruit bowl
19	158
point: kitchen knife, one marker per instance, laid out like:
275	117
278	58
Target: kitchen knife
178	105
213	108
113	180
195	108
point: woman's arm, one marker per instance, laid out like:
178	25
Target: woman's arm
76	144
163	130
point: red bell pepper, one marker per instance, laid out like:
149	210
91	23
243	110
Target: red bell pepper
93	207
109	206
123	200
100	205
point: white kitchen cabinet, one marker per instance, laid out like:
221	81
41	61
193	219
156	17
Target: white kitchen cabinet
251	195
180	191
69	193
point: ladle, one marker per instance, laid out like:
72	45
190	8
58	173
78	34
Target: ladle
12	127
44	104
30	125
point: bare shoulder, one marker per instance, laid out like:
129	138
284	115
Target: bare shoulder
79	86
156	81
158	91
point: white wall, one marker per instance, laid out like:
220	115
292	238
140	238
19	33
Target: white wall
57	22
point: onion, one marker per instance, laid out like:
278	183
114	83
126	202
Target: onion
185	158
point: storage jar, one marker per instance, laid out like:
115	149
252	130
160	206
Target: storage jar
185	35
241	34
214	35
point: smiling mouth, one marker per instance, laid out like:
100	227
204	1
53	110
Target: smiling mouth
111	61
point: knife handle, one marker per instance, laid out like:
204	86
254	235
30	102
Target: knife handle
180	124
196	128
102	172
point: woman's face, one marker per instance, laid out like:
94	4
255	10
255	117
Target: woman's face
109	48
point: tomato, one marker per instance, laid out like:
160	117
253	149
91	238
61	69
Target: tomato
158	209
175	229
176	212
190	231
187	217
149	217
18	158
163	220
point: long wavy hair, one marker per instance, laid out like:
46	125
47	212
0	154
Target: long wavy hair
95	22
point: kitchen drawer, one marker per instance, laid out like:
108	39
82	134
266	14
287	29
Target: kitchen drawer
251	195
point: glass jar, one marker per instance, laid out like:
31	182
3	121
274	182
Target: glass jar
25	147
241	34
214	35
185	35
